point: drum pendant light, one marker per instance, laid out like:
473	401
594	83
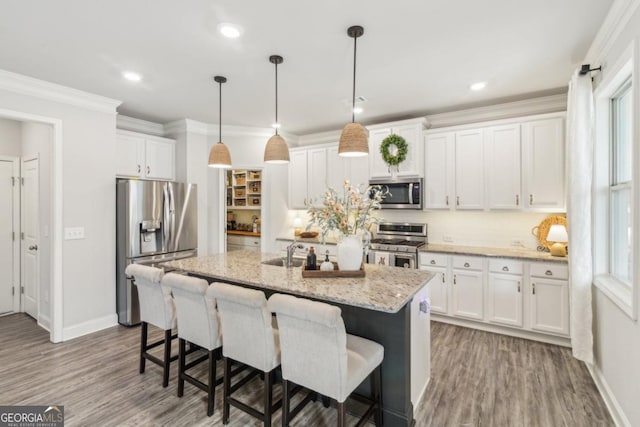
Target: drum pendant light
276	150
354	138
219	156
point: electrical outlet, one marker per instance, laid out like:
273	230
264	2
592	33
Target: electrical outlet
517	244
447	238
73	233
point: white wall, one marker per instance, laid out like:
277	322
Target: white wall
616	336
88	271
10	137
37	139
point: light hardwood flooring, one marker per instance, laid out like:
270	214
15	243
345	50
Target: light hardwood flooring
478	379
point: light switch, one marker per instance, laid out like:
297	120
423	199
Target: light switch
73	233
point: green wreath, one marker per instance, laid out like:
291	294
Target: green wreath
401	152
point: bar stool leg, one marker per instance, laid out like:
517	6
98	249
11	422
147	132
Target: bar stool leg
212	382
285	403
167	357
268	397
227	390
341	415
143	345
377	394
181	362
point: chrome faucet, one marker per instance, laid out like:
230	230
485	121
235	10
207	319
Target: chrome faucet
291	250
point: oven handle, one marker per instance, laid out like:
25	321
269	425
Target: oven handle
411	193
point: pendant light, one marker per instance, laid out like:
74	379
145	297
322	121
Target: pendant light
276	150
354	137
219	156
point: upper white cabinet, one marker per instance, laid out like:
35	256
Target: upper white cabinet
515	164
438	170
354	169
297	179
144	156
411	131
469	169
502	166
317	172
544	172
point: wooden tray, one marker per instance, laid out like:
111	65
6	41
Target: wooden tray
331	274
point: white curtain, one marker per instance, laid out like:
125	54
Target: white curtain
580	131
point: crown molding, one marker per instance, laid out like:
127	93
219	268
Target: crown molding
615	22
24	85
208	129
139	125
414	121
320	138
540	105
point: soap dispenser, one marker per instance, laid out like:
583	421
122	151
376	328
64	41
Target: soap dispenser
326	265
311	259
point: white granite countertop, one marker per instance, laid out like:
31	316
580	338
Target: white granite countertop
385	289
516	253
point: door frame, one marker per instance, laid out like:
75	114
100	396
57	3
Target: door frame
57	201
16	229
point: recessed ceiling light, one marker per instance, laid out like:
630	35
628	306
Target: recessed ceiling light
132	76
358	110
229	30
478	86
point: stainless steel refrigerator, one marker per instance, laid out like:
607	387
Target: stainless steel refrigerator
156	221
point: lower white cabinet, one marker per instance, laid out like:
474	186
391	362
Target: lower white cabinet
518	295
467	293
235	243
550	299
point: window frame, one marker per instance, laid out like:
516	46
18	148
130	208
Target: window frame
623	293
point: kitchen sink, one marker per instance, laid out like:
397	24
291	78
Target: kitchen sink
280	262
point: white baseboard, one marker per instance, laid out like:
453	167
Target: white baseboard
619	418
44	322
417	405
95	325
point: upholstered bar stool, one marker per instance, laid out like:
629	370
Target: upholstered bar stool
249	338
198	325
318	354
156	308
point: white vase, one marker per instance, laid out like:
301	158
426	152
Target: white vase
350	253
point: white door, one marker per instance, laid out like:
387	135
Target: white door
129	156
9	198
438	289
467	294
502	160
29	236
377	166
505	299
298	179
159	159
317	173
412	135
550	305
438	168
469	170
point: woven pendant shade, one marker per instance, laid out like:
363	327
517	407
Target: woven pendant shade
219	156
354	141
276	150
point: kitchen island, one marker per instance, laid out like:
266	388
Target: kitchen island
384	306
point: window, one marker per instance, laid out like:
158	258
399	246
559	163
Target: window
616	262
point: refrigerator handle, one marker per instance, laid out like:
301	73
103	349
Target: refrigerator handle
166	229
172	215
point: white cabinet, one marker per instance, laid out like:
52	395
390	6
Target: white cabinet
412	166
469	169
354	169
437	264
144	156
316	172
467	287
504	293
544	164
438	170
250	243
502	166
297	179
549	298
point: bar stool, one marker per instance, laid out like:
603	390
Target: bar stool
318	354
198	325
249	338
156	308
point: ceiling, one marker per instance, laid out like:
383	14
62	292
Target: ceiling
415	58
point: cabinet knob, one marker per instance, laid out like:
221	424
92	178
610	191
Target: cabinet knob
466	264
443	280
517	200
148	170
530	199
457	200
505	268
533	288
548	273
139	169
447	200
433	261
454	279
518	286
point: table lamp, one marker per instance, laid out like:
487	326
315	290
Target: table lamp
297	226
558	235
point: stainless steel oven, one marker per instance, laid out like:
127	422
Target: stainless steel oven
404	193
394	259
396	244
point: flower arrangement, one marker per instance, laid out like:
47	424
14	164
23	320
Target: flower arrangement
348	212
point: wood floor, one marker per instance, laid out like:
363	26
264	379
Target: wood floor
478	379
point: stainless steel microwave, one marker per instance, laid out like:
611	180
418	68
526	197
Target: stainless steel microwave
404	193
